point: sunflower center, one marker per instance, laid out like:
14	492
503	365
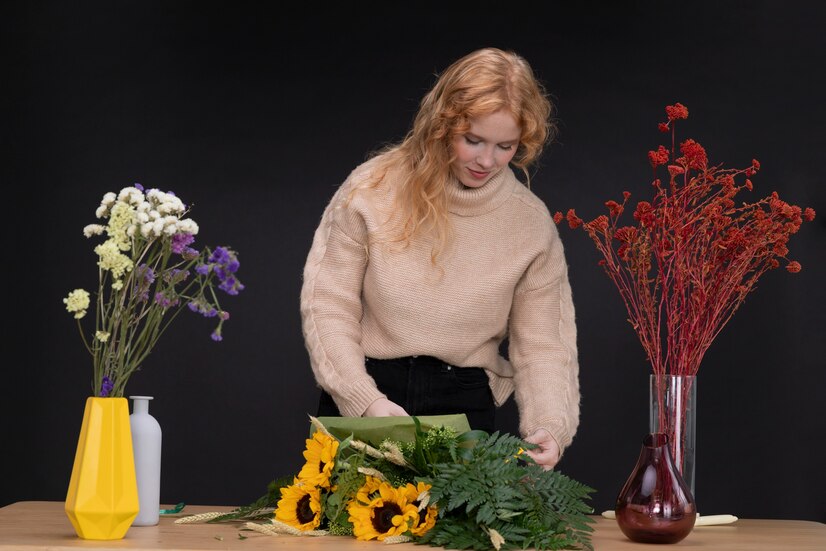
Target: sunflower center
383	517
303	511
321	466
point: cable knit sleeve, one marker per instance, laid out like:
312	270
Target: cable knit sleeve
331	307
543	348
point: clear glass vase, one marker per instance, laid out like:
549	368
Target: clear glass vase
673	411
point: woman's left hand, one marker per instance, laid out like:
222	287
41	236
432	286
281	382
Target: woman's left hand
547	454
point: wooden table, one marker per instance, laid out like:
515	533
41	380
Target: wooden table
30	525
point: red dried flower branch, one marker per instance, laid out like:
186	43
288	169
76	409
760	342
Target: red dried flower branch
694	254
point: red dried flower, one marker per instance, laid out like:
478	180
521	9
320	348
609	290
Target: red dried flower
614	208
558	217
598	224
644	214
659	157
695	155
574	221
663	127
626	234
707	251
676	111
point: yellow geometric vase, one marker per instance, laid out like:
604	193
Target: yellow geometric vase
102	500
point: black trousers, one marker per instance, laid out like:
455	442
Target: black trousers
424	385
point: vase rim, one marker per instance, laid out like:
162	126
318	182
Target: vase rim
107	397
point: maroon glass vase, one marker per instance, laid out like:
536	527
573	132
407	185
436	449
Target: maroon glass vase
655	505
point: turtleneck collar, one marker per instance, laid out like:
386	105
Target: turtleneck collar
465	201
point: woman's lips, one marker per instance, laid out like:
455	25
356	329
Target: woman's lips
478	175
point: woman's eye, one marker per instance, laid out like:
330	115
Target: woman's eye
506	147
471	142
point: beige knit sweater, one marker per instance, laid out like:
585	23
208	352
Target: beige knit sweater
503	275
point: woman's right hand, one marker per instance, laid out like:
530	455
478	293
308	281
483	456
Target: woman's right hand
385	408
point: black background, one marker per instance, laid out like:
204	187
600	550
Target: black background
256	113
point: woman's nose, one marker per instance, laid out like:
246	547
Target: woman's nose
485	159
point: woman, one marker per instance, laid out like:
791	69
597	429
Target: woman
432	253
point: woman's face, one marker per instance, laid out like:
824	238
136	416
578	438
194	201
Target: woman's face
486	148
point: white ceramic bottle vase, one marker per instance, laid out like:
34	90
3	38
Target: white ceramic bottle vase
146	443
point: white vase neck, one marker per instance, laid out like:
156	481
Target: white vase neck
140	404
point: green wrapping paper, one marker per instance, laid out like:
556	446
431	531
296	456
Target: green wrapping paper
375	429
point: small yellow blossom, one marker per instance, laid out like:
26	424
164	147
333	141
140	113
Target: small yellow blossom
110	258
102	336
77	302
122	216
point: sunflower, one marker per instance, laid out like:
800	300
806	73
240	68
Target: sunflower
369	493
426	515
388	514
320	455
300	506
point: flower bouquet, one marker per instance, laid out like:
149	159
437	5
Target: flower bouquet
691	257
148	271
443	487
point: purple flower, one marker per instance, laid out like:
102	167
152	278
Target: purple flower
175	276
203	269
224	315
145	277
216	335
219	256
165	302
137	186
180	241
106	387
190	254
193	306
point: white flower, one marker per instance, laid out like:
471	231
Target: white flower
141	216
108	199
157	228
93	229
102	336
189	226
131	195
101	212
